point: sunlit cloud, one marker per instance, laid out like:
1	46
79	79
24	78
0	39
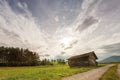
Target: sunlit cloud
61	29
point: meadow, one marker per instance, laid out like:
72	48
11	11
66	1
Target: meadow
55	72
110	74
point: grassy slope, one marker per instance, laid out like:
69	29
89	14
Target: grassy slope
39	73
110	74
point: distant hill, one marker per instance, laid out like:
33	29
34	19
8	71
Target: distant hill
111	59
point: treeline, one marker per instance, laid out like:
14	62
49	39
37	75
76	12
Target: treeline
52	62
10	56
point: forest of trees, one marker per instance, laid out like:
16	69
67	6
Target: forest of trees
10	56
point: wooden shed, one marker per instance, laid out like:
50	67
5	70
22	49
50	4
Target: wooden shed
87	59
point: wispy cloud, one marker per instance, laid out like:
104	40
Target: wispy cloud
19	29
92	28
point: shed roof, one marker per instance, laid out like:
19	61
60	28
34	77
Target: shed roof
84	55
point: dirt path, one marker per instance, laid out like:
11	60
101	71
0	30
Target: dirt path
118	71
94	74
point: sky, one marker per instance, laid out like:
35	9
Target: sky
61	28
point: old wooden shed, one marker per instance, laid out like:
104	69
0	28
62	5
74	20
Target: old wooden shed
87	59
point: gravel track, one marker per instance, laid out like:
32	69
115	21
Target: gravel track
118	71
94	74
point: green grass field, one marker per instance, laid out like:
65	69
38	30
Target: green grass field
110	74
39	73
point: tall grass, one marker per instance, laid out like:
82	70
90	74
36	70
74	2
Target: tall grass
39	73
110	74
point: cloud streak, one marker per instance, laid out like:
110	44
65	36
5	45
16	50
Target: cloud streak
87	28
19	29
